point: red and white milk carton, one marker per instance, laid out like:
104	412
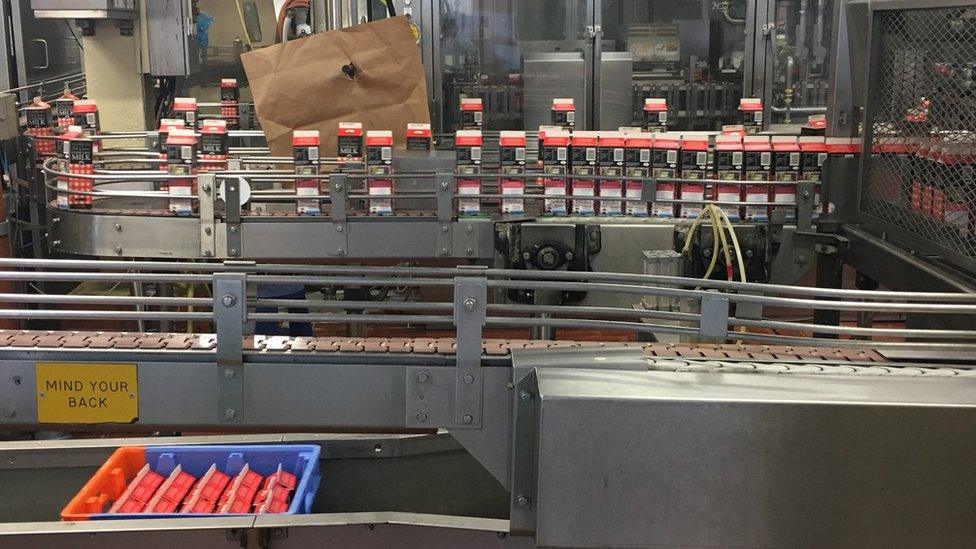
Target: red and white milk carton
564	113
512	162
751	110
214	145
655	117
305	151
467	150
694	165
379	161
729	174
185	108
554	155
584	163
759	172
637	164
349	143
181	159
666	167
786	172
610	157
472	113
230	97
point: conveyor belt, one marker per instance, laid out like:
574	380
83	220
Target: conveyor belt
427	346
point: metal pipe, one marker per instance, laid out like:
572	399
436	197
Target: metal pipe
447	272
32	276
40	84
849	343
57	314
384	319
854	331
105	300
942	308
318	280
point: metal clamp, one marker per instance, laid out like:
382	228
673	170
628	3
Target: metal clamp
470	297
229	300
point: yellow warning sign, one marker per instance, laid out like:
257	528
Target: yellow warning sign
83	392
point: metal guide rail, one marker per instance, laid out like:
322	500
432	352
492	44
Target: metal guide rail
219	376
707	309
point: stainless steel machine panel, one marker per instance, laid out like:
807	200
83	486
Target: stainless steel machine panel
173	46
550	75
616	90
87	9
680	459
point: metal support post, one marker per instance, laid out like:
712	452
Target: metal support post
830	274
232	211
229	302
804	206
445	214
207	183
338	193
470	297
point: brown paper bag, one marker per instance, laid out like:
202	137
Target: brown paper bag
301	85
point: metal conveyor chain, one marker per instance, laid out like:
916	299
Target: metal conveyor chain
443	346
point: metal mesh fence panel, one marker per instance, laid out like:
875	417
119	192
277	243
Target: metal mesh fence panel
923	149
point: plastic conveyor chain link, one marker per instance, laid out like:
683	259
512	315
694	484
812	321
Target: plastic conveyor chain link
427	346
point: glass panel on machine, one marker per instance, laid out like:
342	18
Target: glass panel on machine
225	30
688	52
516	56
801	50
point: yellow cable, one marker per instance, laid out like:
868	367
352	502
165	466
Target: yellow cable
721	233
735	243
715	250
240	13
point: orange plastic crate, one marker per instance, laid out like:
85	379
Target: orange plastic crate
107	484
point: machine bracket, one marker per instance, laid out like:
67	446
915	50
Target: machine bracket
229	306
649	190
207	189
338	193
470	297
445	215
232	209
823	243
525	406
714	322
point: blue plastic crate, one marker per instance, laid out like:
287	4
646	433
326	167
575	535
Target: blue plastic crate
299	460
